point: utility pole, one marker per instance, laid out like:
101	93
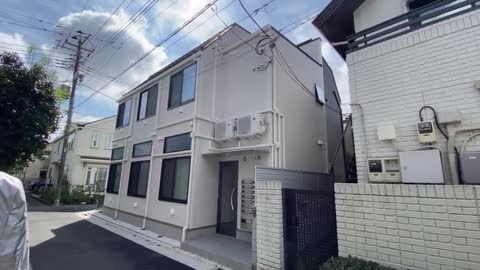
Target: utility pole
78	49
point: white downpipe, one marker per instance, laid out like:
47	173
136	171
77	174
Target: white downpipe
147	201
284	150
192	157
274	112
214	88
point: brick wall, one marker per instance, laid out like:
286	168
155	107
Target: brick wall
410	226
269	225
436	65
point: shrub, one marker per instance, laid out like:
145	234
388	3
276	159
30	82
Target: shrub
351	263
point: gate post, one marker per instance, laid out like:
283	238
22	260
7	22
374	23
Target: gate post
269	225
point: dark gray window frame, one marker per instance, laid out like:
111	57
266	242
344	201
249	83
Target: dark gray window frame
133	150
154	87
171	199
174	136
130	186
173	106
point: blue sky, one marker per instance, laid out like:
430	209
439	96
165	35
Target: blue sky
162	18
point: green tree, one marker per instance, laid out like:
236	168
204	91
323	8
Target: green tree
29	111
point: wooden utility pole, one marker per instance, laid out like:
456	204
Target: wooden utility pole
78	49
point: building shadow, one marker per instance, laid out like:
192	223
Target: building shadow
84	246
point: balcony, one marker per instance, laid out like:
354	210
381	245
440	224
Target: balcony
411	21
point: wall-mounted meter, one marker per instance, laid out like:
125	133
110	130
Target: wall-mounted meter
426	132
384	170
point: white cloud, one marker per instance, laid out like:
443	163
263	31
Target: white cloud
13	42
114	58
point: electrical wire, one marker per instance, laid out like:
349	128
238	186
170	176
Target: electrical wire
180	28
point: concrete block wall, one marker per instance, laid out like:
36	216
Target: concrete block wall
269	225
410	226
436	66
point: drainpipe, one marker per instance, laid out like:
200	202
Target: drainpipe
147	201
274	110
192	157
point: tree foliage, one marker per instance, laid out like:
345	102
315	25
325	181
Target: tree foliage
28	111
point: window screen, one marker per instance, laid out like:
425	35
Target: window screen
182	86
142	149
138	181
117	153
174	180
177	143
148	103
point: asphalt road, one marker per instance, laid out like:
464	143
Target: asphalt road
64	241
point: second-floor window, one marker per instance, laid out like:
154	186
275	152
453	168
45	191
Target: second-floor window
96	137
108	142
182	86
148	103
123	116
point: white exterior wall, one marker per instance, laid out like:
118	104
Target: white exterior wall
304	127
410	226
373	12
436	66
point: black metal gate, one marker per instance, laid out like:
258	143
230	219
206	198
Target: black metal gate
310	228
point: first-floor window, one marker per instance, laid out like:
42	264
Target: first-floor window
138	181
114	176
174	179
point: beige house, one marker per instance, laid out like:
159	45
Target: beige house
88	154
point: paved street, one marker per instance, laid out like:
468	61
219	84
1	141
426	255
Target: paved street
64	241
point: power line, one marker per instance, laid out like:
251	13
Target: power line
141	28
134	18
108	19
32	27
185	24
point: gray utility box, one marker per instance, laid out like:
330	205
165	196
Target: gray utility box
470	162
423	166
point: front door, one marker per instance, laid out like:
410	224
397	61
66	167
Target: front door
227	198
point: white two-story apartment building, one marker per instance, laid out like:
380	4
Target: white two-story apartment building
188	139
88	154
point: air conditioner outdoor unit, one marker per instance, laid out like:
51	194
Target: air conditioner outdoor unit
224	130
251	125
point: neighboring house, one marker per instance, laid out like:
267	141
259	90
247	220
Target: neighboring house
409	60
188	139
37	168
88	155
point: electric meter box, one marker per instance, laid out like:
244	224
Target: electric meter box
426	132
421	167
384	170
470	162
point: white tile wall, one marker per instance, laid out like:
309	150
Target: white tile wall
410	226
269	227
435	66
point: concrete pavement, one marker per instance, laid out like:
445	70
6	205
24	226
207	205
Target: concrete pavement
65	241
